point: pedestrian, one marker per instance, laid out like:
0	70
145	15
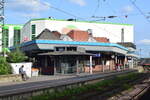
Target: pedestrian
22	73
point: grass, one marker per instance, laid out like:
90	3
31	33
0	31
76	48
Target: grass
121	81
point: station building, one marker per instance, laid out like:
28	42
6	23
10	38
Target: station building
73	47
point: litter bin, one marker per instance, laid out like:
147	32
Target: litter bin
35	72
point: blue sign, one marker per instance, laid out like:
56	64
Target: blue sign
97	55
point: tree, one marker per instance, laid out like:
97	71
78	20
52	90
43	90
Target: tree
5	68
16	57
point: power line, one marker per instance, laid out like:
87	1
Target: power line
63	11
97	7
114	11
67	13
142	13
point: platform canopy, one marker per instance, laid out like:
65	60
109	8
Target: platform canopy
76	53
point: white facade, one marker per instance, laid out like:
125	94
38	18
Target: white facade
110	30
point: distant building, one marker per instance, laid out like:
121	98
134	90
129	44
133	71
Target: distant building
11	35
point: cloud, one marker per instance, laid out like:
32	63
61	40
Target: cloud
79	2
127	9
144	42
31	7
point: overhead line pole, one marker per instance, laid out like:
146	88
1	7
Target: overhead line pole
1	21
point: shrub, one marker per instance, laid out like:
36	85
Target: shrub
16	57
5	68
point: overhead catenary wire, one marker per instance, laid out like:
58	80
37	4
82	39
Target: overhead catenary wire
104	18
66	12
70	14
97	7
141	12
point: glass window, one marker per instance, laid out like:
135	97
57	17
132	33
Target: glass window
16	37
71	48
33	32
60	48
5	38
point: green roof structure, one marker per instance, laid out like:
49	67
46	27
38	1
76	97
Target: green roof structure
82	21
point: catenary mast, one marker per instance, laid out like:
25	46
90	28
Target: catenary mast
1	21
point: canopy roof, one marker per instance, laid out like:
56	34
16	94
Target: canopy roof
75	53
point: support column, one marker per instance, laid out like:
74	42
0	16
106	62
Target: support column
77	66
91	69
132	62
116	62
55	66
125	62
103	66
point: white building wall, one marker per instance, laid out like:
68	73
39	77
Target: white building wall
11	36
26	32
111	31
40	26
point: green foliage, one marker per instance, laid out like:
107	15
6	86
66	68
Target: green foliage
16	56
5	68
121	81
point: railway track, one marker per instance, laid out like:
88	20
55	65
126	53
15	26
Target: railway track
139	88
19	89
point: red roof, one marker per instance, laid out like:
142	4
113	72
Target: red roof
78	35
102	39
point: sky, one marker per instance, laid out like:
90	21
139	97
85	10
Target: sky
136	13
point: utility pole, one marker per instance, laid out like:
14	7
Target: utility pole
140	52
1	21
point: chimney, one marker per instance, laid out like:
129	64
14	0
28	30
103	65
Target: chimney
90	32
122	35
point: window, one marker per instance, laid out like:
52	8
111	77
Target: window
16	37
65	48
33	32
71	49
60	48
5	38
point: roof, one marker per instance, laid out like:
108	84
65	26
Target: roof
16	26
78	35
81	21
127	44
74	43
46	34
102	39
75	53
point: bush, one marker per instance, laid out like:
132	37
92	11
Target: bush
16	57
5	68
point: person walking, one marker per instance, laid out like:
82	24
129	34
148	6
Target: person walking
22	73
